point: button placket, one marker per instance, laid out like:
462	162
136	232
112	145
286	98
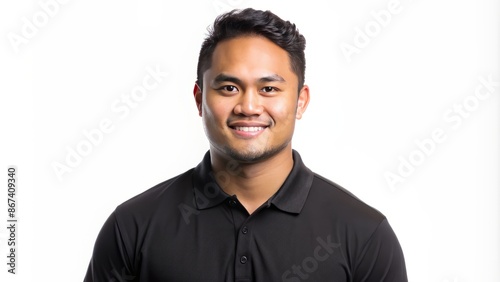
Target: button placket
243	261
232	203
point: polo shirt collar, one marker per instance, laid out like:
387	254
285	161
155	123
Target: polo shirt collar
291	197
207	192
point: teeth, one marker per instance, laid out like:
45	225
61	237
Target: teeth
251	129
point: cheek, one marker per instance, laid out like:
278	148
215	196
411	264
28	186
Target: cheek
215	111
282	111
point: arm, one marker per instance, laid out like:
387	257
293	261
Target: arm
381	259
110	260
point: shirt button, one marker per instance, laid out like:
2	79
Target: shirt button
243	259
244	230
232	203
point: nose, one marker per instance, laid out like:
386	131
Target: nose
249	104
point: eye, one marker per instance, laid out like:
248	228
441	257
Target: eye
269	89
229	88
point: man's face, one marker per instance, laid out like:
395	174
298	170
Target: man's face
250	99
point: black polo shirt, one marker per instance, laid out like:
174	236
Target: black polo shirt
188	229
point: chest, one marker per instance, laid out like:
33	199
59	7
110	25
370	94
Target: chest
231	246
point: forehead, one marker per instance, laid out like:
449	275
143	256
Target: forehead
250	56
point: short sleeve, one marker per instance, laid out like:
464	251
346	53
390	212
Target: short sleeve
381	258
110	261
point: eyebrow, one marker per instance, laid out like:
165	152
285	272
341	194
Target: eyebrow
227	78
272	78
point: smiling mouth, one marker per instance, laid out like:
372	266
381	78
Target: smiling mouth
248	131
249	128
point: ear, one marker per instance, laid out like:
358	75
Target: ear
198	97
302	102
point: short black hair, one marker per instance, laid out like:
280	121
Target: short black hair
249	21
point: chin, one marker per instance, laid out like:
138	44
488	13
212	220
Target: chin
253	156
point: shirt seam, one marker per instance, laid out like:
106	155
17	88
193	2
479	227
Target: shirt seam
129	265
367	243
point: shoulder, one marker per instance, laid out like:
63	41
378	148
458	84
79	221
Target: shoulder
363	230
164	195
335	200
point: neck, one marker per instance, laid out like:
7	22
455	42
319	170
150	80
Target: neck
252	183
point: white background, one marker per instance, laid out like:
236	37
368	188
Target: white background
367	113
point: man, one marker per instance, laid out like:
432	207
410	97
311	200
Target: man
251	210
